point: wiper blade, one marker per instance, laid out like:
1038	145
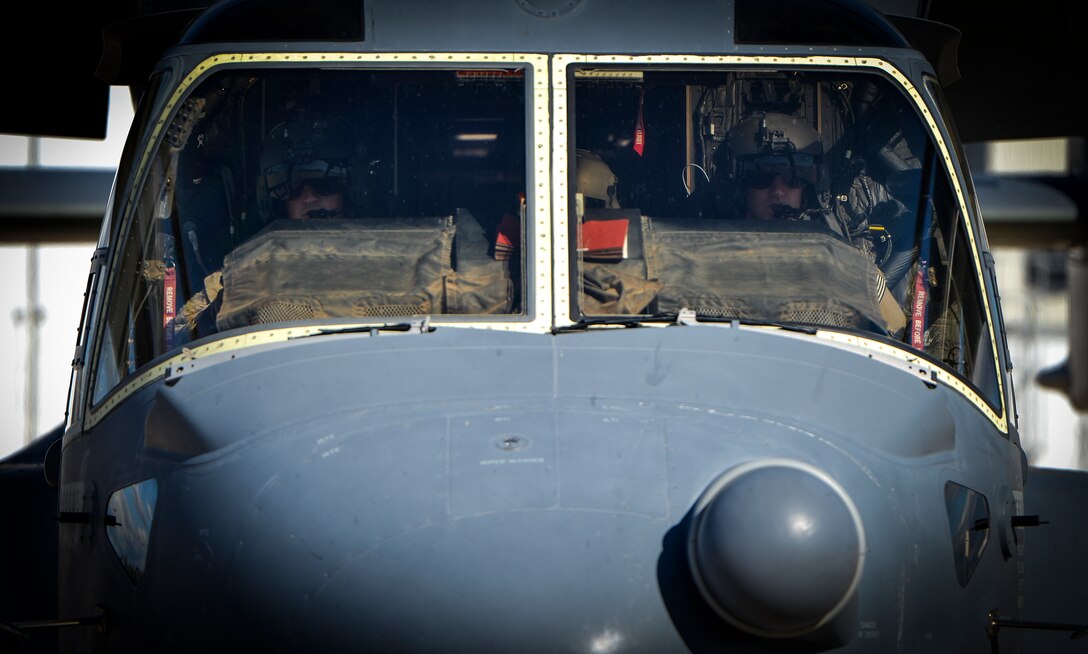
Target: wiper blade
615	321
682	317
413	327
752	322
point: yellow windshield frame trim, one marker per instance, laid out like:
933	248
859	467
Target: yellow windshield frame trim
547	230
538	219
564	311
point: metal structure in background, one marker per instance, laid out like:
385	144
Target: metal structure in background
52	205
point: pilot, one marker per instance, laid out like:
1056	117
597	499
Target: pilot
776	163
306	169
771	166
771	161
305	173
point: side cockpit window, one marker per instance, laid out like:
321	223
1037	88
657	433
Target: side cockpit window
286	195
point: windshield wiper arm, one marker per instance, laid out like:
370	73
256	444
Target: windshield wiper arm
615	321
413	327
682	317
752	322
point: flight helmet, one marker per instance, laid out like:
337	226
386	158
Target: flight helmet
765	144
595	180
317	151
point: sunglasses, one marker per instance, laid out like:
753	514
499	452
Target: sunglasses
287	181
761	180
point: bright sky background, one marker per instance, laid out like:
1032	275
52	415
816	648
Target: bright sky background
62	278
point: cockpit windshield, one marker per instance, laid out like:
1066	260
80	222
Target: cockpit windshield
324	194
375	194
808	197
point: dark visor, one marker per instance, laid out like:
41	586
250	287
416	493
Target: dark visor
760	172
285	181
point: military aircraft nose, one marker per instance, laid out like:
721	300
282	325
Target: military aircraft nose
776	547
